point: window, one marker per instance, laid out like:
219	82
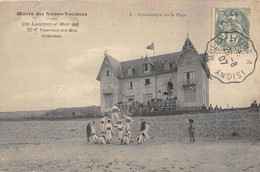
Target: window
189	60
130	71
108	72
147	67
109	85
189	78
189	96
147	82
166	65
166	80
130	85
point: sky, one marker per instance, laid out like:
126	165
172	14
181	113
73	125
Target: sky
47	73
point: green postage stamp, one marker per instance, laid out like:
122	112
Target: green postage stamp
231	27
232	52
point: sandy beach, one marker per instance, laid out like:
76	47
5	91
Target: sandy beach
62	146
81	156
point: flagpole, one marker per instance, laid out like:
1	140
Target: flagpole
153	48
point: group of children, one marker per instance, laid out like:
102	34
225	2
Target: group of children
114	126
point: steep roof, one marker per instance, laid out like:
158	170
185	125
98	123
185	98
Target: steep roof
116	66
188	44
156	61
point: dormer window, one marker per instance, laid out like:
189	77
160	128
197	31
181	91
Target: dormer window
166	65
147	67
108	72
130	71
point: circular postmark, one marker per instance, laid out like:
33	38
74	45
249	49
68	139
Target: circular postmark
236	60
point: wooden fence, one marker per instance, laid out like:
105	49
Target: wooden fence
159	105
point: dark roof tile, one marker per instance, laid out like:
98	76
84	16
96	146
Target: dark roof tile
156	61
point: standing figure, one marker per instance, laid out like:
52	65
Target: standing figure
93	130
191	131
114	114
210	108
204	108
102	123
120	129
253	106
143	132
142	124
88	130
127	125
109	129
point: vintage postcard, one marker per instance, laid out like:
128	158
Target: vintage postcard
112	85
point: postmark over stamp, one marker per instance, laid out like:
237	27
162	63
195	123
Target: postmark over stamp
231	53
229	22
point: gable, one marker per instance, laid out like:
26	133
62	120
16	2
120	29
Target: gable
130	71
197	59
188	45
188	55
120	69
148	61
114	65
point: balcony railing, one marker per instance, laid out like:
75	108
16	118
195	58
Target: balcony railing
108	92
189	86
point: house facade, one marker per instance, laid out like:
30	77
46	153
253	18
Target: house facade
181	74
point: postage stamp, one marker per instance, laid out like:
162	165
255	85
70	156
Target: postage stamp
230	22
231	52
